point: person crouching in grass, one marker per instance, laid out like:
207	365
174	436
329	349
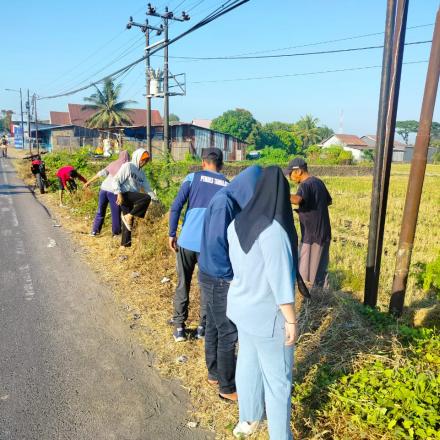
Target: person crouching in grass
128	183
107	196
66	179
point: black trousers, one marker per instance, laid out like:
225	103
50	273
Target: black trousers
220	333
135	204
186	261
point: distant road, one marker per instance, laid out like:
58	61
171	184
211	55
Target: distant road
68	366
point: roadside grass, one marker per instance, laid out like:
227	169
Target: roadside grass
341	341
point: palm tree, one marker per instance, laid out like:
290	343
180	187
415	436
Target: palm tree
109	112
308	131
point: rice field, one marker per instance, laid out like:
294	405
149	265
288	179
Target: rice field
350	218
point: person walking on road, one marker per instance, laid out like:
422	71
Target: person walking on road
66	179
215	275
4	145
196	192
107	196
127	185
262	249
313	200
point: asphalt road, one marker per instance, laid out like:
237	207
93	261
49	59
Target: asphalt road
69	368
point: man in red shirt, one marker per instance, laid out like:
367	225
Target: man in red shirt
66	179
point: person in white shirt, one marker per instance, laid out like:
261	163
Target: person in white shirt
128	184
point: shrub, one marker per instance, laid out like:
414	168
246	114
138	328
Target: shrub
398	398
428	276
272	156
333	155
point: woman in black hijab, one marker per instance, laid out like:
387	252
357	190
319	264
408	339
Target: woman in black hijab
263	252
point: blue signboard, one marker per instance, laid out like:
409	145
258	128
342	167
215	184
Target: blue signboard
18	137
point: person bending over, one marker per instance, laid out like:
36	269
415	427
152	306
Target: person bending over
66	179
128	183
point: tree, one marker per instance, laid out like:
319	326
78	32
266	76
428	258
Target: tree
405	128
368	155
288	141
109	112
307	130
276	125
6	120
238	123
173	118
435	130
324	132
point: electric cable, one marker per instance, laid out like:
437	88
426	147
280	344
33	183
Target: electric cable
337	40
288	75
296	54
219	12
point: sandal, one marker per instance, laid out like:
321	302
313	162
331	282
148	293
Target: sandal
127	224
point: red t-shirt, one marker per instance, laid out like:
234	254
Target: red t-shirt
64	175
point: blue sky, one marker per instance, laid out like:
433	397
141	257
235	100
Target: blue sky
53	46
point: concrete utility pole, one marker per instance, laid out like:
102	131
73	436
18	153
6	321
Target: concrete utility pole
389	97
34	97
28	108
21	113
416	177
22	122
146	28
166	16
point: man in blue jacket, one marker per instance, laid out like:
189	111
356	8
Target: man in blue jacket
215	275
196	192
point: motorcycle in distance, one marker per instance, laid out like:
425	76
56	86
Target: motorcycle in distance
38	169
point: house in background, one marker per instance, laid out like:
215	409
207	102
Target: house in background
398	147
204	123
69	129
349	142
187	138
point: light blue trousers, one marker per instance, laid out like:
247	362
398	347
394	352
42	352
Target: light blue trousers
264	380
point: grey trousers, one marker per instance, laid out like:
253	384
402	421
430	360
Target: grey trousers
313	263
186	262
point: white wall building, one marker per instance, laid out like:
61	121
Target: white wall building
349	142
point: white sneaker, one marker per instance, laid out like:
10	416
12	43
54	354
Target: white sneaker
245	429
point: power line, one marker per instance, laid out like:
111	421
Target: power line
318	43
98	50
297	54
288	75
135	46
219	12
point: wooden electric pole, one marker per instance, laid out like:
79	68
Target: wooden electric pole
416	177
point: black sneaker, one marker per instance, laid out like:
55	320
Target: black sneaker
179	335
200	332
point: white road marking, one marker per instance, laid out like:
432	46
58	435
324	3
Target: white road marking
11	203
52	243
28	285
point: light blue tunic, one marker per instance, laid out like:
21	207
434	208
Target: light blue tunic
263	279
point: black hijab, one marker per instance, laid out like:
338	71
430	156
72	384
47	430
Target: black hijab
271	201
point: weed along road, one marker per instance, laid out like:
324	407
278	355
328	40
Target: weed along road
68	366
